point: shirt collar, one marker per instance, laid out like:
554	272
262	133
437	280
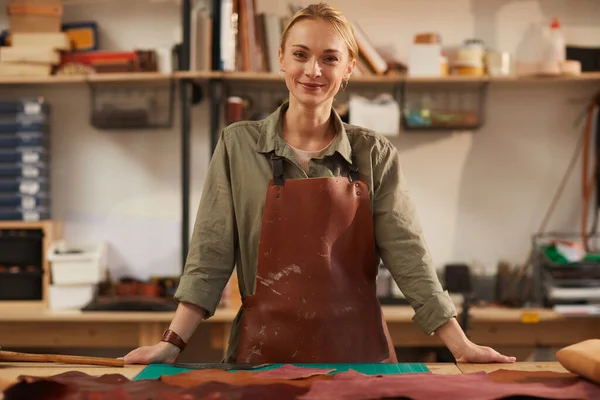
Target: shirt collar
270	135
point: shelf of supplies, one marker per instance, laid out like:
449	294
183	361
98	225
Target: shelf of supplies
270	77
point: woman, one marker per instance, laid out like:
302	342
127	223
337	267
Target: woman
307	250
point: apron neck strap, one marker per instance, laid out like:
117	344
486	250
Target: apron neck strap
353	170
277	163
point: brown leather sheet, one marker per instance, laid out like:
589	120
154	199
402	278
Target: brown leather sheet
476	386
196	377
4	383
291	372
547	377
212	384
79	386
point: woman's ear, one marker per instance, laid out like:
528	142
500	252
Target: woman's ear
350	68
280	57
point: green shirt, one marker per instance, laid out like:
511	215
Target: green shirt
228	223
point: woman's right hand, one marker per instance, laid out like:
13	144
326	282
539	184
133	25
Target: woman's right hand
162	352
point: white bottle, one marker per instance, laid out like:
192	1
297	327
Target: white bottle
555	56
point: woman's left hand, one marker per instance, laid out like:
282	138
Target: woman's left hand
472	353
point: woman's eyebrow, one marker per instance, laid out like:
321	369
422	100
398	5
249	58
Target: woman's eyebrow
306	48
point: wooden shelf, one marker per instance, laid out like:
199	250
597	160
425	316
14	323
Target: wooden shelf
53	79
199	75
128	77
585	76
446	79
269	77
25	224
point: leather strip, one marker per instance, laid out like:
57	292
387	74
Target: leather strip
171	337
277	170
353	170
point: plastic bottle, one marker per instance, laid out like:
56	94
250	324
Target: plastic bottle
556	54
558	46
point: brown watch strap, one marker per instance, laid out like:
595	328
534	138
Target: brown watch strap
171	337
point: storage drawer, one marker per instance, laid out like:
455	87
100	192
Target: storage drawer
23	139
30	186
37	106
21	286
20	214
26	202
24	155
24	170
16	127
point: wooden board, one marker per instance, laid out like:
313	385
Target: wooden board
519	366
11	371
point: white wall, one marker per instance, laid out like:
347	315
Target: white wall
480	195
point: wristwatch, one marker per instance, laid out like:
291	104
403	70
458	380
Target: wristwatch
171	337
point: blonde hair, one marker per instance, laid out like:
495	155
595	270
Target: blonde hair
330	14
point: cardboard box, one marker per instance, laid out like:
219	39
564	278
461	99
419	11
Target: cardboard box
35	15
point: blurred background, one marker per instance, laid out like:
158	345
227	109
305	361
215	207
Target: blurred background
109	112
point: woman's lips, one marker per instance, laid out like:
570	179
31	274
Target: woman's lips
311	86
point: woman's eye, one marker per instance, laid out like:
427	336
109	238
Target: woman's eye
332	59
299	54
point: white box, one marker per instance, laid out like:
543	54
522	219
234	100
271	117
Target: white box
424	60
71	297
68	267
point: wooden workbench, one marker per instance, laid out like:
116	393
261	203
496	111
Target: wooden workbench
497	327
10	371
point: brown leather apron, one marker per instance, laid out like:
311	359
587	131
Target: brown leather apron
315	299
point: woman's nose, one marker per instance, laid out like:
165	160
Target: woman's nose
312	68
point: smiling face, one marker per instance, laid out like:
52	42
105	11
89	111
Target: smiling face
315	61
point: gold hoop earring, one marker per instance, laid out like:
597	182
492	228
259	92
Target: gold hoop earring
343	87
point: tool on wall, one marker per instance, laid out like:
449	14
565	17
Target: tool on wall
517	294
590	176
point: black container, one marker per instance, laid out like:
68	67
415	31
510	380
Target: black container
21	271
22	286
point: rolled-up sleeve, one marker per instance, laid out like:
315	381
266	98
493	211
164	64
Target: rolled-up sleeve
401	245
211	257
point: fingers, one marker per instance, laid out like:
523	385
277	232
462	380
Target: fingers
136	356
500	358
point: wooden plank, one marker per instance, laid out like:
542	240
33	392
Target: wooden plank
549	333
11	371
551	366
128	77
46	224
447	79
444	368
585	76
198	75
52	79
44	315
81	335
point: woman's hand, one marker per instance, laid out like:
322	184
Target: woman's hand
472	353
464	350
162	352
